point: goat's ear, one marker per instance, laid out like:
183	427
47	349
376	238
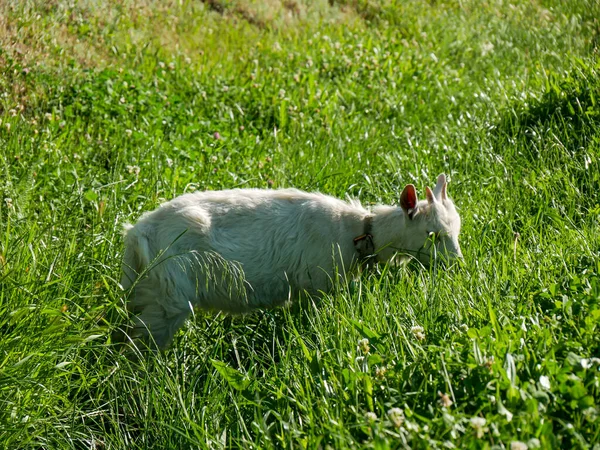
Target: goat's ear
430	196
408	200
440	187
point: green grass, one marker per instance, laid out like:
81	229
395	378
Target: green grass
107	110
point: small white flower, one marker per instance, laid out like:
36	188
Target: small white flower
445	400
363	346
128	132
418	332
534	443
9	202
371	416
518	445
169	162
545	382
396	416
380	372
486	48
281	93
478	424
134	169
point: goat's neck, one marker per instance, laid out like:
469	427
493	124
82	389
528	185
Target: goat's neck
389	230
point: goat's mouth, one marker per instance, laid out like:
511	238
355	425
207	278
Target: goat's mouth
428	257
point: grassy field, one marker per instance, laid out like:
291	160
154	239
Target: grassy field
109	108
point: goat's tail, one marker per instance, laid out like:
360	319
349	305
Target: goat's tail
137	255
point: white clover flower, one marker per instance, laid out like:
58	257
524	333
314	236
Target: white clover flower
396	416
518	445
380	372
486	48
545	382
445	400
134	169
418	332
478	424
9	202
363	346
128	132
371	416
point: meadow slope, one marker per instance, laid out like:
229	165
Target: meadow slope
109	108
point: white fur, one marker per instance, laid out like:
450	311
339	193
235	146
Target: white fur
238	250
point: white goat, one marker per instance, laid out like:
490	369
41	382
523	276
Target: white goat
243	249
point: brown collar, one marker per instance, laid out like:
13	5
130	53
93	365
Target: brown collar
364	244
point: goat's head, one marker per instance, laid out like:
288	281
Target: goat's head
433	224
